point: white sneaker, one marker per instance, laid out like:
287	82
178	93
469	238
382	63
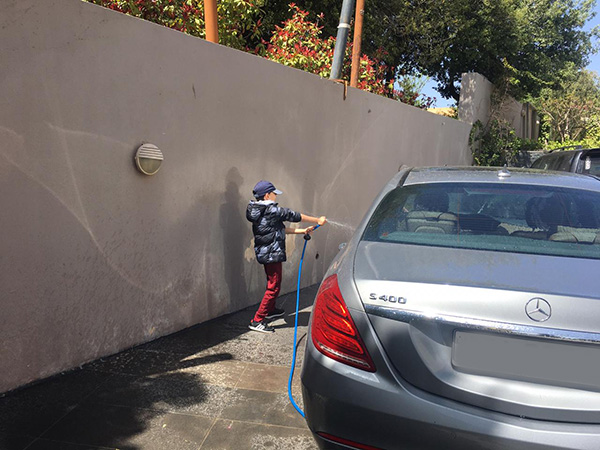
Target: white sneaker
261	326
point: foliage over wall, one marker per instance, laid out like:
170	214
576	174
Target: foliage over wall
496	144
239	20
298	42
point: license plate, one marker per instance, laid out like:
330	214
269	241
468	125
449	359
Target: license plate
543	361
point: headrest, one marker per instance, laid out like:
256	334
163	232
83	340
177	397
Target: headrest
544	213
432	201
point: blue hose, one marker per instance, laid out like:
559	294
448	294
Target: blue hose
306	239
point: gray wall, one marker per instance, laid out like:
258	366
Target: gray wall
475	98
94	256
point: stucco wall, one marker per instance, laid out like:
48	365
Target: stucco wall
475	104
94	256
475	98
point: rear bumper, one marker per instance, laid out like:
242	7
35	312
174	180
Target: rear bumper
374	409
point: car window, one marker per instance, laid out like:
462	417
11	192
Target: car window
591	164
561	161
497	217
543	162
564	162
556	162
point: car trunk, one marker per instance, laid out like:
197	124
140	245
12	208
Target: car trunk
513	333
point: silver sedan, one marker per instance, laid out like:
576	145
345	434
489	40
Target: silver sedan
464	313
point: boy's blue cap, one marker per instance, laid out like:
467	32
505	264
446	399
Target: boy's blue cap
263	188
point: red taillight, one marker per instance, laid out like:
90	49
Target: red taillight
333	331
347	442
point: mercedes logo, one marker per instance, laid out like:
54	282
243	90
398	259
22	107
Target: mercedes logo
538	309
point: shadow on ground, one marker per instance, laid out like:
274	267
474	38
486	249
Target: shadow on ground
215	385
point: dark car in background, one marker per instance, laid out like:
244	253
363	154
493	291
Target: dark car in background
586	161
464	313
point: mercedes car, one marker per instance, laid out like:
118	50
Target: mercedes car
464	313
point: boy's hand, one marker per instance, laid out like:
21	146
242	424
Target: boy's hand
309	230
322	220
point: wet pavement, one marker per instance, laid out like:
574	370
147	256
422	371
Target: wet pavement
216	385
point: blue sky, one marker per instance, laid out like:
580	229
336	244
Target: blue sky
593	65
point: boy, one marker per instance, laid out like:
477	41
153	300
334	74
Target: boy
269	245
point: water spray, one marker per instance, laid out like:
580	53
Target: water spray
306	239
345	226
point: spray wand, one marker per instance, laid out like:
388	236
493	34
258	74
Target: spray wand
306	239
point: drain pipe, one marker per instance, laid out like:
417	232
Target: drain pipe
211	22
341	38
358	24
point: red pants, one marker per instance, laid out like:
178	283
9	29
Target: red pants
267	304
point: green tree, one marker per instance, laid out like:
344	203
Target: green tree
410	91
525	42
571	112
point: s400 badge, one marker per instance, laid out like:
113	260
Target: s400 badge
387	298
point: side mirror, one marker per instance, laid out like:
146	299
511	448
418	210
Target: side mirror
342	246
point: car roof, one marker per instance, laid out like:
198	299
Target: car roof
558	152
571	150
510	175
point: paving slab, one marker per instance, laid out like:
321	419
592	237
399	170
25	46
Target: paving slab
225	435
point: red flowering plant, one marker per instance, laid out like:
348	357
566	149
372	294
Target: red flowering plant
299	43
371	74
239	20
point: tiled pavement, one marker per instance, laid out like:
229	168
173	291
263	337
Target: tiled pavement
214	386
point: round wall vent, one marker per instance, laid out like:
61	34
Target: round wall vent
148	159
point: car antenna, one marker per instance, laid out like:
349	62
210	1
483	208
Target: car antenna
504	172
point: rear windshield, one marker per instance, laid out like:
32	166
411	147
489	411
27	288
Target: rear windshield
497	217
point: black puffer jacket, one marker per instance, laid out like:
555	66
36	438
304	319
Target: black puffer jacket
269	231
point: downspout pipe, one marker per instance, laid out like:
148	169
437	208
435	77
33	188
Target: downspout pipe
358	25
341	39
211	22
